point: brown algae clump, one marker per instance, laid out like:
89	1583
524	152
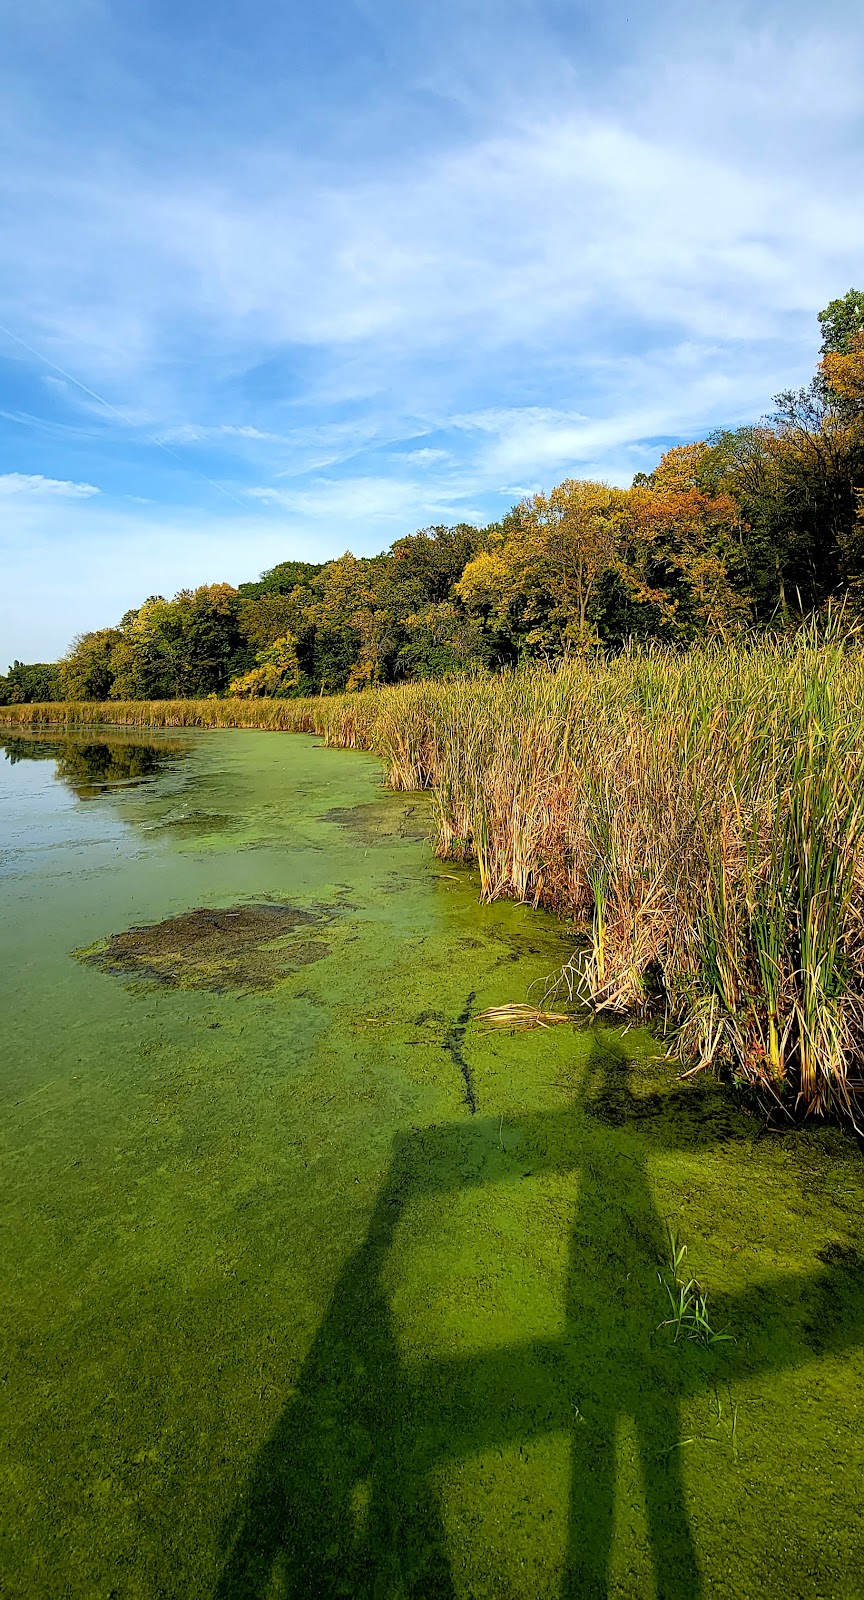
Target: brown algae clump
230	947
377	822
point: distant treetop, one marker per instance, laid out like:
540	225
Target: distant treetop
841	320
282	579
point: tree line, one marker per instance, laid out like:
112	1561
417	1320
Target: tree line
754	527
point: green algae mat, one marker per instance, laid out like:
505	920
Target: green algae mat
311	1287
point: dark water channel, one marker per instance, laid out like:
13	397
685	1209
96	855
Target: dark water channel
312	1288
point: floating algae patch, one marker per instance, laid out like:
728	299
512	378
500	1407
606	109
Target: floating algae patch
377	821
231	947
197	823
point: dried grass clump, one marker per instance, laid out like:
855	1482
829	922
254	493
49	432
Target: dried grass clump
516	1018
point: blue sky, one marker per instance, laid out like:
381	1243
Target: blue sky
328	273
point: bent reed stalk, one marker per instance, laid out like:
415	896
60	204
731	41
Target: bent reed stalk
699	818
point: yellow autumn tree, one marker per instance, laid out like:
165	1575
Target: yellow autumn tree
276	671
843	370
544	571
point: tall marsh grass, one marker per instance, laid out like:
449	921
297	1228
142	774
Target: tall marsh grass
699	818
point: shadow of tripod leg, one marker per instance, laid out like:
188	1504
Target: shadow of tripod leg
408	1539
346	1509
592	1491
676	1572
295	1535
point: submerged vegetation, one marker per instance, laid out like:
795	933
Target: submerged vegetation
688	1300
698	818
245	947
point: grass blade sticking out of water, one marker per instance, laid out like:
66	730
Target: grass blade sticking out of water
687	1299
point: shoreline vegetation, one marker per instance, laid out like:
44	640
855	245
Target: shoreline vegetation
698	818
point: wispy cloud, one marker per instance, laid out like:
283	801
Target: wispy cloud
423	458
35	486
382	502
201	433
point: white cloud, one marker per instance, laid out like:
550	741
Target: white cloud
33	484
200	433
545	442
423	458
343	503
522	234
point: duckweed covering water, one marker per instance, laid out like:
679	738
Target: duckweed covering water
323	1290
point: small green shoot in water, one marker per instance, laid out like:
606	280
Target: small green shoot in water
727	1422
687	1299
725	1430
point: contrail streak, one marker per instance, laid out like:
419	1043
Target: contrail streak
100	400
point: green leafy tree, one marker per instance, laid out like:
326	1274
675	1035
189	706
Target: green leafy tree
679	574
191	645
261	620
30	683
350	643
535	585
841	320
282	579
796	479
88	671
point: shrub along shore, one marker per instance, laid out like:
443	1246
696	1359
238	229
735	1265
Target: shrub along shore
699	818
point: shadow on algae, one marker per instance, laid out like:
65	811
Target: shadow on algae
342	1498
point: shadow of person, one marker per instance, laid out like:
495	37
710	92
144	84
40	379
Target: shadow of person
342	1499
338	1503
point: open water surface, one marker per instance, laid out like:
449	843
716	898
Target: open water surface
311	1288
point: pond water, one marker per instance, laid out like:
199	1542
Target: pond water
311	1287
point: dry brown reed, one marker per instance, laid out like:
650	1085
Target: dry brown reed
519	1018
699	818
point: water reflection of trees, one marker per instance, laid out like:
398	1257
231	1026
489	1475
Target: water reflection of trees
88	765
